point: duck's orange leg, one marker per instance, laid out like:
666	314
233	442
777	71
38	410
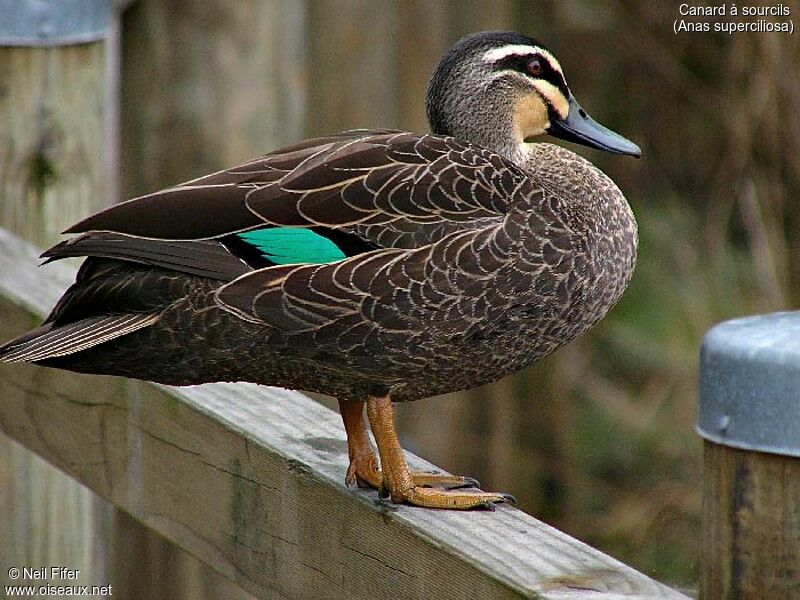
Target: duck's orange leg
363	469
402	485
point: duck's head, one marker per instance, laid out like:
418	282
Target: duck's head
500	88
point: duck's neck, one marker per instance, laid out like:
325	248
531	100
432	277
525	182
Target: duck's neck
499	137
478	116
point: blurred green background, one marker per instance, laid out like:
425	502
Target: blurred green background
598	439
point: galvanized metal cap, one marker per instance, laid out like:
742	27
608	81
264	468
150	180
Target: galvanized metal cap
750	384
53	22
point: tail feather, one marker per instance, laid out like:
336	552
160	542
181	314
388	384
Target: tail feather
50	341
206	258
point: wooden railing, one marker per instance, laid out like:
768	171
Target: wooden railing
250	480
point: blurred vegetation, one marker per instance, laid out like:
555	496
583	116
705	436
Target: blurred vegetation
598	439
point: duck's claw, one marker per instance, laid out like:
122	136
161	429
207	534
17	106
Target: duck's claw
443	480
363	471
453	499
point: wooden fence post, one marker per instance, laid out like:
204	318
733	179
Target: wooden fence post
53	139
749	416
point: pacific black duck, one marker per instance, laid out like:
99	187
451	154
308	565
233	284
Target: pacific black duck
371	265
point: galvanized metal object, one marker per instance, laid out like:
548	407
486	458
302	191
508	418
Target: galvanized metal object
53	22
750	384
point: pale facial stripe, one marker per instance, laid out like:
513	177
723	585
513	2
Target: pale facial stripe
553	96
497	54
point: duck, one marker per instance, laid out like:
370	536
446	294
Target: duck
376	266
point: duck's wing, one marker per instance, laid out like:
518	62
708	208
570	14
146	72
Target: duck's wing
389	188
410	228
440	212
320	201
394	189
382	304
387	301
206	207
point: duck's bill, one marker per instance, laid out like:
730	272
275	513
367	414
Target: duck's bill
580	128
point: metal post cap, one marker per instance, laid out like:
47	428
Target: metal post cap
53	22
750	384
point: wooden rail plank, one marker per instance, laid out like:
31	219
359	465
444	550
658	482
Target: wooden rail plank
249	480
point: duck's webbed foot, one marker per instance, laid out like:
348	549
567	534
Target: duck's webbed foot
364	470
394	479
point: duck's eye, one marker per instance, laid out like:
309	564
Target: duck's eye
535	67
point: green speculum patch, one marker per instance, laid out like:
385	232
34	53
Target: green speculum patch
292	245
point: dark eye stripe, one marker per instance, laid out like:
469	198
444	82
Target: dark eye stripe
519	62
